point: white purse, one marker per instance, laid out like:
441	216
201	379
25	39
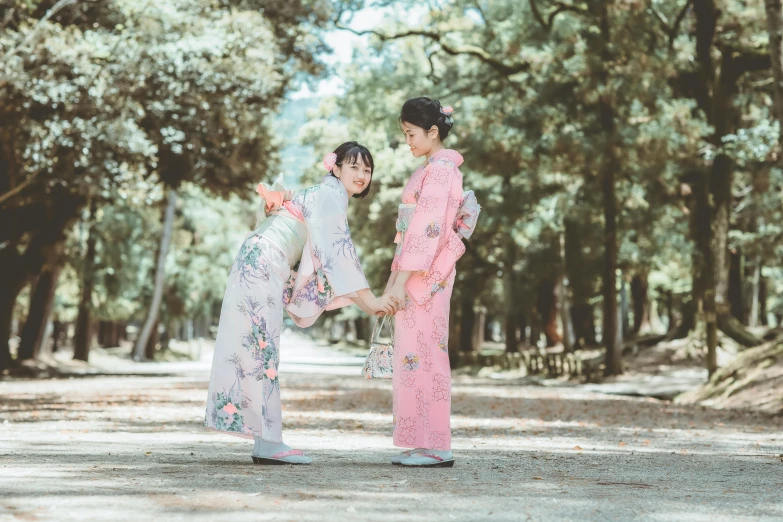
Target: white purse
380	361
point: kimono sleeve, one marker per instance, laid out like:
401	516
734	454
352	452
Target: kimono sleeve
421	239
331	245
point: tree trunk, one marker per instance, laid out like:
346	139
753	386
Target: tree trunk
564	301
487	334
535	333
720	189
160	274
15	278
753	316
122	334
580	284
547	307
152	342
670	312
735	292
713	88
510	324
640	295
625	308
704	290
82	338
614	354
7	301
775	30
58	328
523	323
478	330
601	42
618	336
467	321
41	303
583	318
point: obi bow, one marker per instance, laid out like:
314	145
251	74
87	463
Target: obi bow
274	196
467	215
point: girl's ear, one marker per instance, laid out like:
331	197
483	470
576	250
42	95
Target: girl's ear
433	128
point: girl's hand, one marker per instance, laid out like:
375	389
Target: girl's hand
398	295
382	306
388	305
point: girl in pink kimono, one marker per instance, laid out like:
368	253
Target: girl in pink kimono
422	280
301	258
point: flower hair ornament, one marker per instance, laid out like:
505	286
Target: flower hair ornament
330	160
448	111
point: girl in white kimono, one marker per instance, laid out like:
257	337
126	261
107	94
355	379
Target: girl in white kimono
300	258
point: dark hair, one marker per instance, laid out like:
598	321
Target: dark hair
350	152
425	112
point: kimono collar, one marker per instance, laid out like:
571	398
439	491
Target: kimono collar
450	155
335	183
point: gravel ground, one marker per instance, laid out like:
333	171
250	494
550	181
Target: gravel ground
114	447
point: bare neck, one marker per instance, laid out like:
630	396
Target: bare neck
437	148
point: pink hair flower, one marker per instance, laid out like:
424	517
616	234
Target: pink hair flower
448	110
330	160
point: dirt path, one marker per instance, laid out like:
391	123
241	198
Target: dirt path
132	448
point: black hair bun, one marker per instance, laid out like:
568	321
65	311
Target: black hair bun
425	112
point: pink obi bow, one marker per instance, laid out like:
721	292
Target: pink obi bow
277	197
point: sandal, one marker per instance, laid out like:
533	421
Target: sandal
427	460
280	458
397	459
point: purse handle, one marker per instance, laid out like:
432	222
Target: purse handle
377	328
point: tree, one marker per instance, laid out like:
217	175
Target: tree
190	98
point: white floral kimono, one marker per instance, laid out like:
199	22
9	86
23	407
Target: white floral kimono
301	258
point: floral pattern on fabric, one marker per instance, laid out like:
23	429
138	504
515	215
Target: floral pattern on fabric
244	389
248	267
429	249
431	246
330	272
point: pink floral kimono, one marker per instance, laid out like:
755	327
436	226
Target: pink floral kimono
301	258
428	245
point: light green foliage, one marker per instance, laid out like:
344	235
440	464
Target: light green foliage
526	100
111	101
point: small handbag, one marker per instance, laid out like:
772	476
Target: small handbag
380	360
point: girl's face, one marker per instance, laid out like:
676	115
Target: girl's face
354	176
421	142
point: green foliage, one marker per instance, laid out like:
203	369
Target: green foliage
110	102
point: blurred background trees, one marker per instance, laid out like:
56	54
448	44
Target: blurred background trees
626	155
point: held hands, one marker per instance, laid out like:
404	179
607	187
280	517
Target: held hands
397	295
393	299
383	306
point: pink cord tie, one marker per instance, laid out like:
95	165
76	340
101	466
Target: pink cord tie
288	453
430	455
